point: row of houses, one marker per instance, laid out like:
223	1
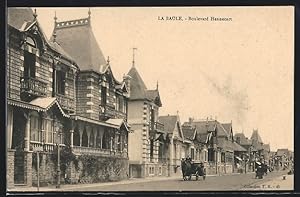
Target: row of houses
69	120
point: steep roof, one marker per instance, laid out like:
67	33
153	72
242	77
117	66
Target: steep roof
256	137
281	152
169	122
205	126
60	50
237	147
138	88
243	139
227	127
77	39
16	17
188	132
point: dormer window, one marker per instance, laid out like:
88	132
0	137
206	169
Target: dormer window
29	59
30	42
103	95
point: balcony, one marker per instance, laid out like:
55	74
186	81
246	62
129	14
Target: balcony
98	151
156	126
33	87
107	111
65	102
39	146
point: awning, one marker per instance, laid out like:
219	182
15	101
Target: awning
39	104
46	103
118	122
238	158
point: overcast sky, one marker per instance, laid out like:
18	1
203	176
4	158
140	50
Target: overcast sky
240	70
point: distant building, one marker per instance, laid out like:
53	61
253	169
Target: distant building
261	150
219	144
196	142
148	141
284	157
172	127
246	143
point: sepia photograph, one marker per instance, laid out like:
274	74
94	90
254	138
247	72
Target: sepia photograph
121	99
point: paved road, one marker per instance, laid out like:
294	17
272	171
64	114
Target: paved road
213	183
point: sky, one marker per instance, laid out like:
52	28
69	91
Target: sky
240	70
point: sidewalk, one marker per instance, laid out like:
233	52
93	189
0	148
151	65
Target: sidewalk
128	181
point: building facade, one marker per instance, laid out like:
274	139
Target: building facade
147	156
63	103
173	130
219	139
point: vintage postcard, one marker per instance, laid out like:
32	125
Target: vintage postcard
150	99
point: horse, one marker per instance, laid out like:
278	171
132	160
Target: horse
186	169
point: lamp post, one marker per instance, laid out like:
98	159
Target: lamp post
58	142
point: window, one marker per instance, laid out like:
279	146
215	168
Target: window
125	106
151	170
152	115
117	103
60	82
192	153
211	155
106	140
103	95
175	151
205	156
222	157
160	151
121	105
49	130
151	149
34	128
29	65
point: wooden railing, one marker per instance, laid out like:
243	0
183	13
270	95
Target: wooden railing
98	151
107	111
39	146
33	86
156	125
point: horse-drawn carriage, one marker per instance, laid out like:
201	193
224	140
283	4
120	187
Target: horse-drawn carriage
261	170
190	169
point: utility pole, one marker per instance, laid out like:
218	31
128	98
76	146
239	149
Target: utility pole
38	169
58	142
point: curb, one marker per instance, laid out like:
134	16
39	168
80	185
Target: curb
128	181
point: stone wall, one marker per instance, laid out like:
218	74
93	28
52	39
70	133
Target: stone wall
92	169
10	168
85	169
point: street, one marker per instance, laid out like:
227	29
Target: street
212	183
233	182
